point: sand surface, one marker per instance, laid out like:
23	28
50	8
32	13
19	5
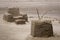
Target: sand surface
12	31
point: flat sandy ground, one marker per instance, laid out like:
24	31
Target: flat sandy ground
12	31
